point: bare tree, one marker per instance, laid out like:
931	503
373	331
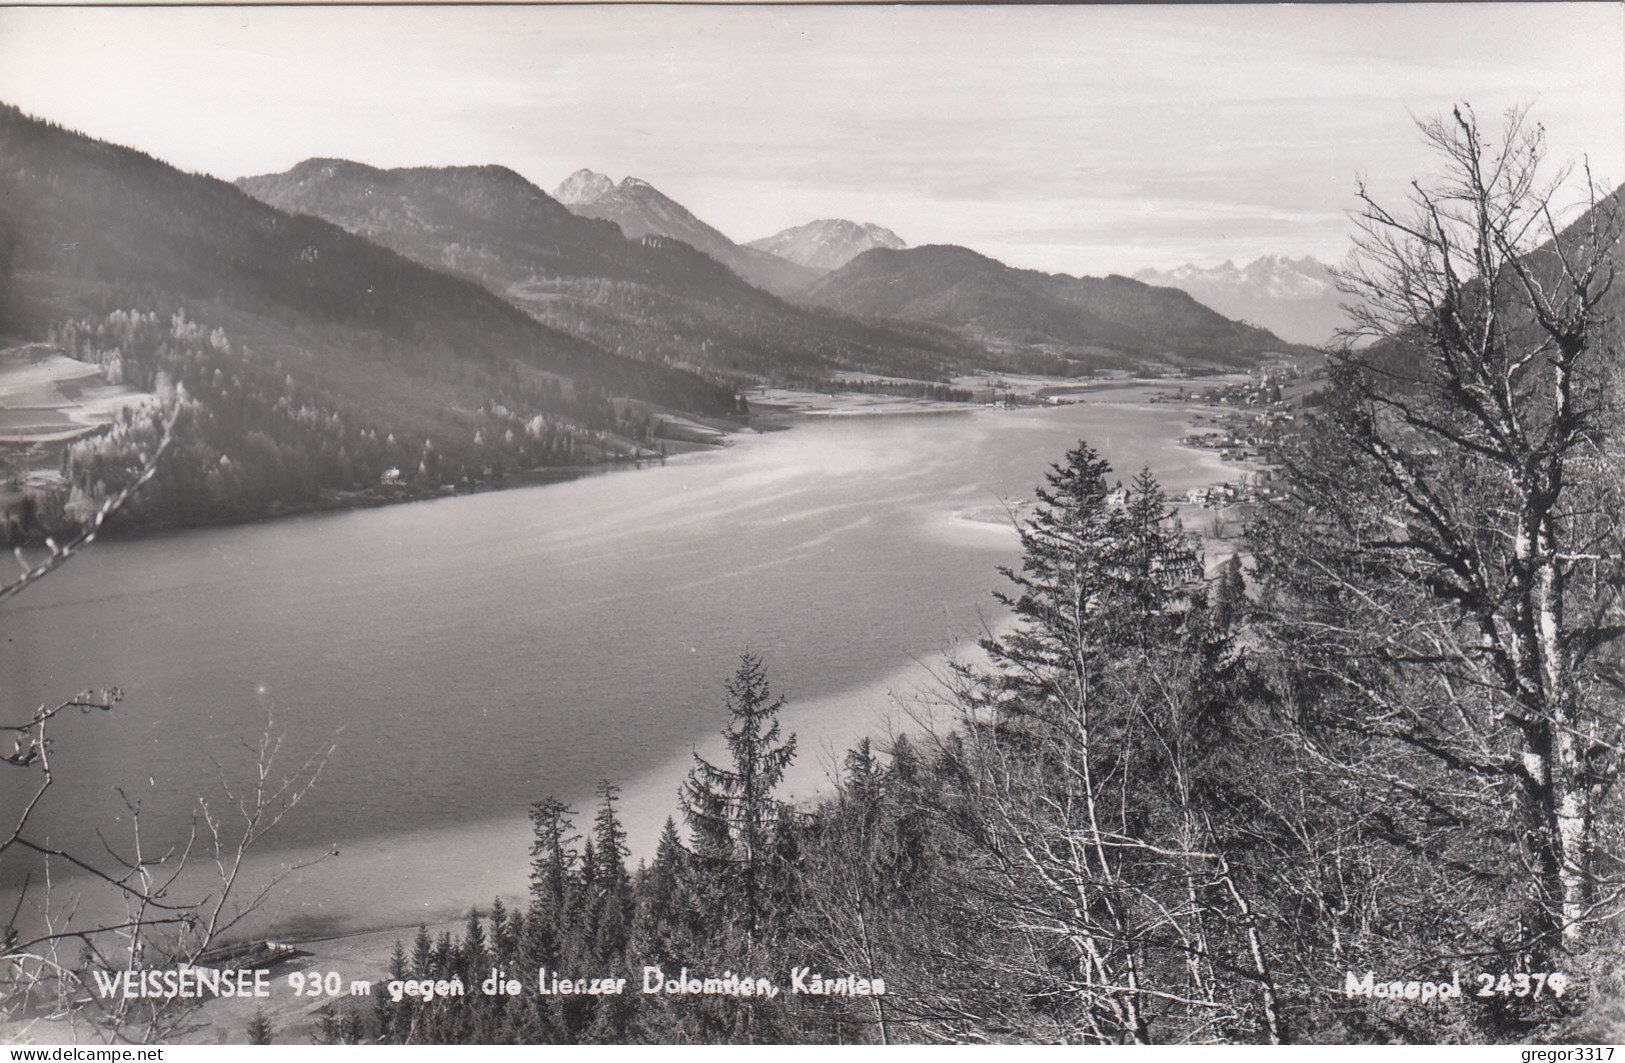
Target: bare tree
1079	864
1094	848
1458	536
167	915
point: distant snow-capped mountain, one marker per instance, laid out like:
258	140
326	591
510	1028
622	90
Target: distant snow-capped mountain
829	243
1296	298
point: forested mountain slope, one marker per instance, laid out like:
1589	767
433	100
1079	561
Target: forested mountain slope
655	298
1093	320
306	356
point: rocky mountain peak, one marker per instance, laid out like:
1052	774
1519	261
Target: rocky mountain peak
583	186
828	243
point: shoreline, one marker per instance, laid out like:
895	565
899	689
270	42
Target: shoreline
773	410
378	497
775	417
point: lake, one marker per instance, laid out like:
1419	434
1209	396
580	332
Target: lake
471	655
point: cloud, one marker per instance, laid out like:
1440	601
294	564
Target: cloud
1060	135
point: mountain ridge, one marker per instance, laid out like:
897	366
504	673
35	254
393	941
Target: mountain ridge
828	243
311	358
1090	321
641	209
654	297
1295	297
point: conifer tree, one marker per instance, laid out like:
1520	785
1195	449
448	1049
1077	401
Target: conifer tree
554	867
329	1027
397	962
666	932
1098	579
1229	595
472	955
661	932
608	834
611	887
731	809
385	1011
1061	585
863	774
1157	564
444	954
502	933
422	952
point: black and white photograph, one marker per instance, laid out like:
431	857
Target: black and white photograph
812	523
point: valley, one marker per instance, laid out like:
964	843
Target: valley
1107	522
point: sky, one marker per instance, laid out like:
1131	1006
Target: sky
1072	139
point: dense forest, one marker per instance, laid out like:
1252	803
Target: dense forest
255	435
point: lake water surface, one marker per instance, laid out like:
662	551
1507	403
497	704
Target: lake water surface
471	655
